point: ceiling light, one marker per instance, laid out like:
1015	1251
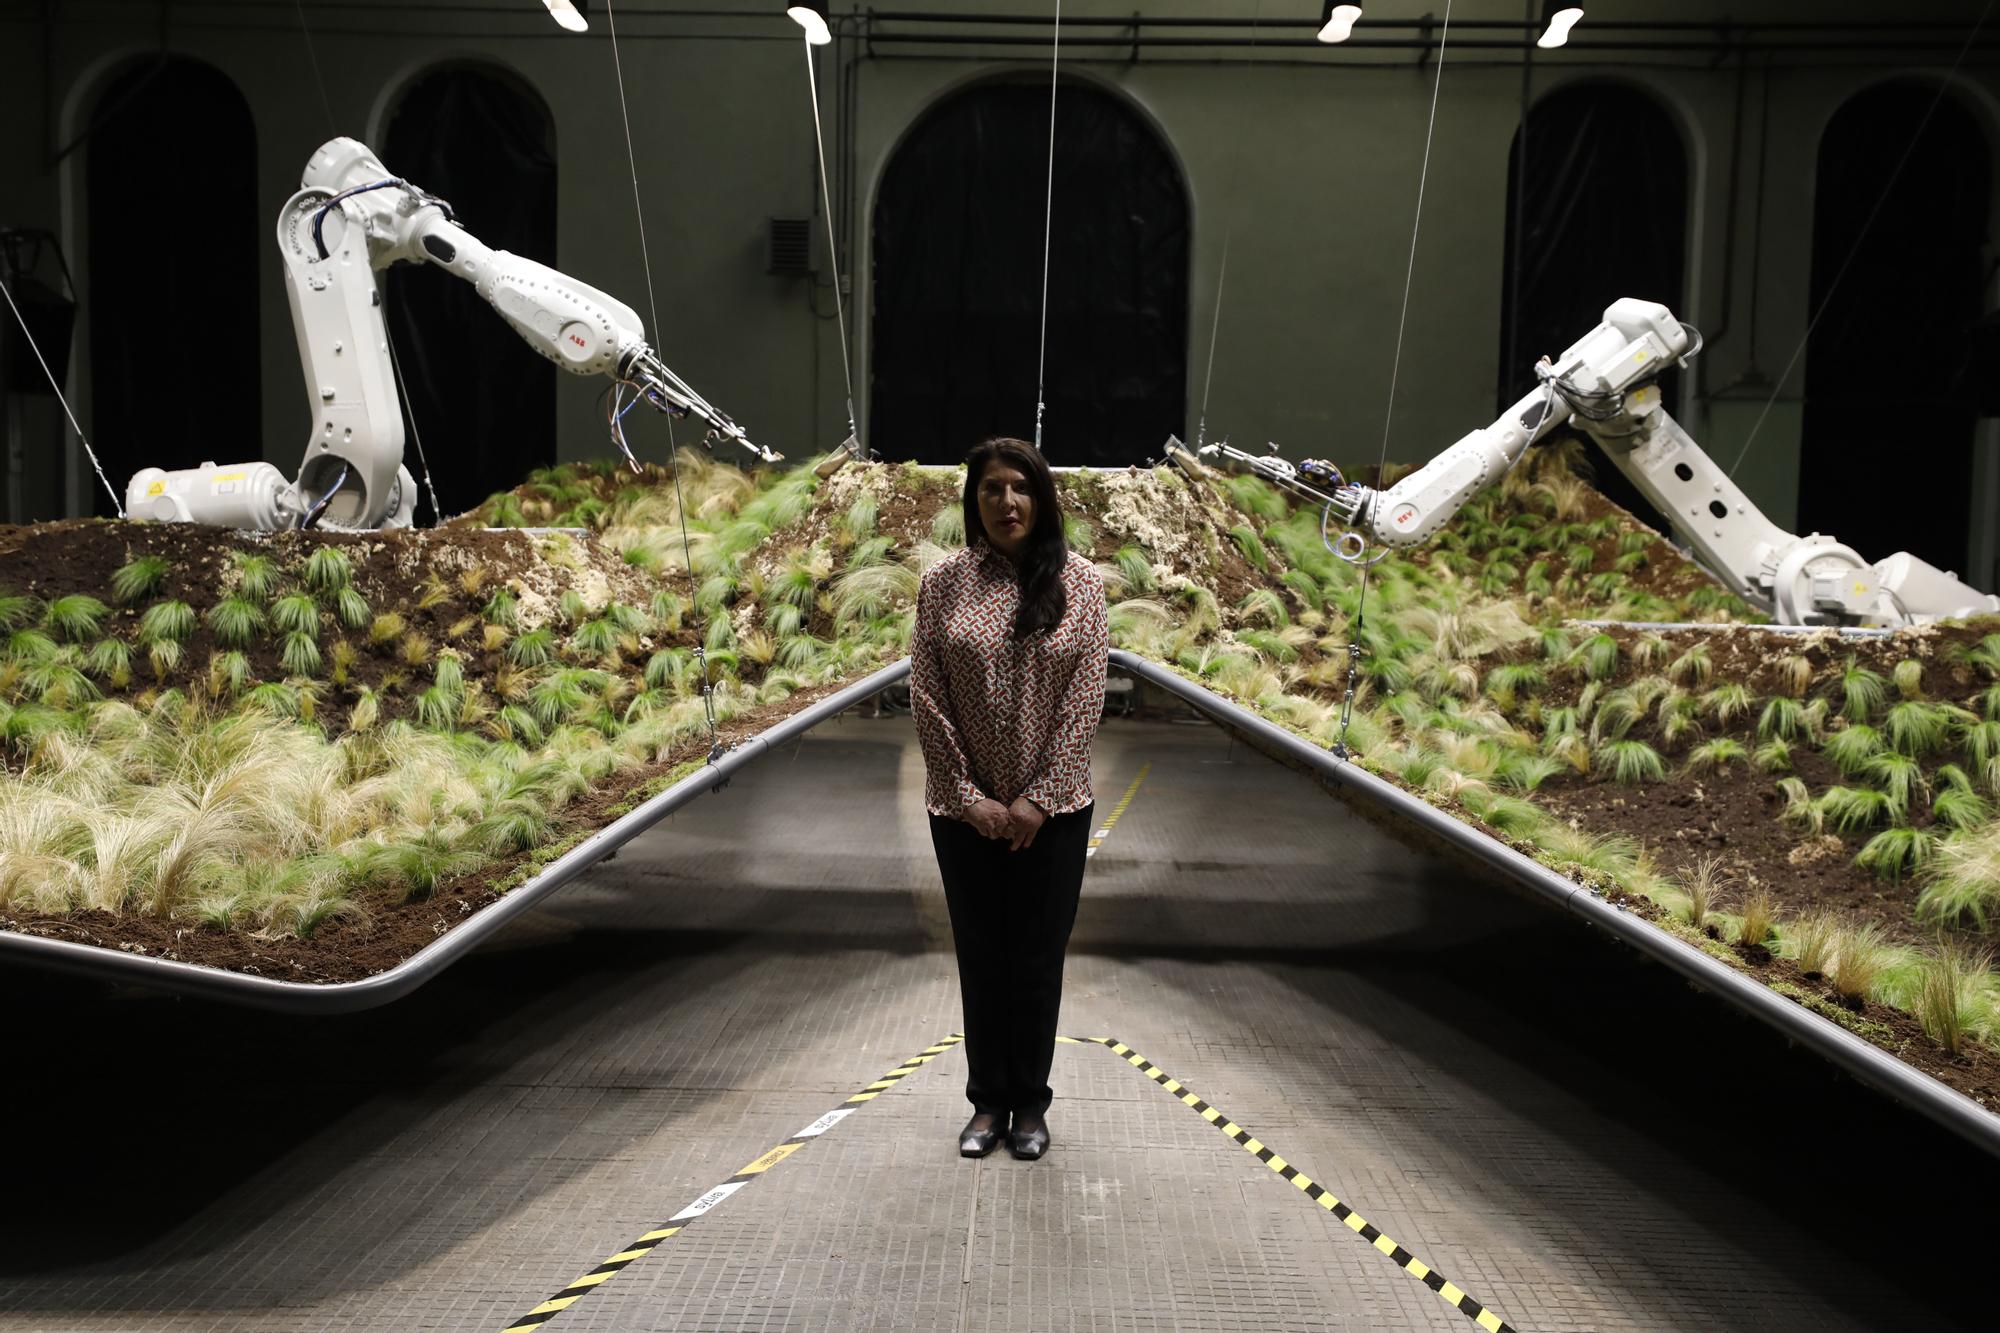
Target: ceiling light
569	13
1558	18
811	15
1337	21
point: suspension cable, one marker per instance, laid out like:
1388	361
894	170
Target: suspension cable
84	439
694	594
1358	626
1826	303
312	54
1048	217
632	161
416	432
1228	233
833	254
673	447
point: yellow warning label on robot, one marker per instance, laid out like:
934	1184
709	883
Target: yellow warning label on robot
157	488
229	476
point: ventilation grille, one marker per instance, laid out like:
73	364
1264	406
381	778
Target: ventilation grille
791	247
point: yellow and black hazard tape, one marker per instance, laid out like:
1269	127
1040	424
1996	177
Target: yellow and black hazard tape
1111	820
1409	1263
700	1208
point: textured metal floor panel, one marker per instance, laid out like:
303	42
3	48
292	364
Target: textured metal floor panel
1570	1137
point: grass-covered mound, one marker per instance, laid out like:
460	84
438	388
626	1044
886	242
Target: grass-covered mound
438	712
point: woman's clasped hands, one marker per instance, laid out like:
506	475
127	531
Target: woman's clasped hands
1018	823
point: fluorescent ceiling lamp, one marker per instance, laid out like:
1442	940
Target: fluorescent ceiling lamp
1559	18
567	14
811	15
1337	21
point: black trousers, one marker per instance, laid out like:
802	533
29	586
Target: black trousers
1011	914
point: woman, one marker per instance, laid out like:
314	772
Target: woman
1007	683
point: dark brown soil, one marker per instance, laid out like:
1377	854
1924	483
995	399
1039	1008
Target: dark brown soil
1734	814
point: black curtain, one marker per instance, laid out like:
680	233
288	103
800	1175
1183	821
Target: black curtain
485	402
958	274
1598	211
1891	385
172	282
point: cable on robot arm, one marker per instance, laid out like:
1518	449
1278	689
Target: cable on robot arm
396	182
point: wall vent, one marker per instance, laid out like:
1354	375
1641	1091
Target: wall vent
790	253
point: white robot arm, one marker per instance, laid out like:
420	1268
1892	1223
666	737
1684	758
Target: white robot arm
1605	386
350	219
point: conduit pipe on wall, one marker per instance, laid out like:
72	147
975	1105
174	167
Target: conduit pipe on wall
1871	1065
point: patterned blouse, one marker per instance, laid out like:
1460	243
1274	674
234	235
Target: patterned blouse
999	717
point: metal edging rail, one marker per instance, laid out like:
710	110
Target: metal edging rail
1865	1062
309	998
1875	1067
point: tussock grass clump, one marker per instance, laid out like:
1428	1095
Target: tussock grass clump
1909	677
1853	748
1813	939
532	648
859	521
1610	855
1693	669
1597	657
1896	852
948	526
1801	809
300	655
295	613
166	622
1773	756
1863	693
1794	675
138	578
257	576
1251	546
75	617
1754	925
1962	881
386	628
1900	778
1851	809
1702	887
1958	805
350	608
1728	701
236	621
1506	683
1917	728
1717	755
1950	997
1858	961
17	610
327	570
1783	718
110	660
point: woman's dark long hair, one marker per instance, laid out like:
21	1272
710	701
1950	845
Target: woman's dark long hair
1045	555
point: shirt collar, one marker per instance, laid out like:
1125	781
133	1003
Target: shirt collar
991	558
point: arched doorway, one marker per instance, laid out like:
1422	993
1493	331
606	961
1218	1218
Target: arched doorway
957	248
485	402
1584	227
167	276
1886	450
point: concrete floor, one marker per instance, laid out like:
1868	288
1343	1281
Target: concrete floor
1571	1137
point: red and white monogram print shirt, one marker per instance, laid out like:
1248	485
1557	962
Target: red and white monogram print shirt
999	717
